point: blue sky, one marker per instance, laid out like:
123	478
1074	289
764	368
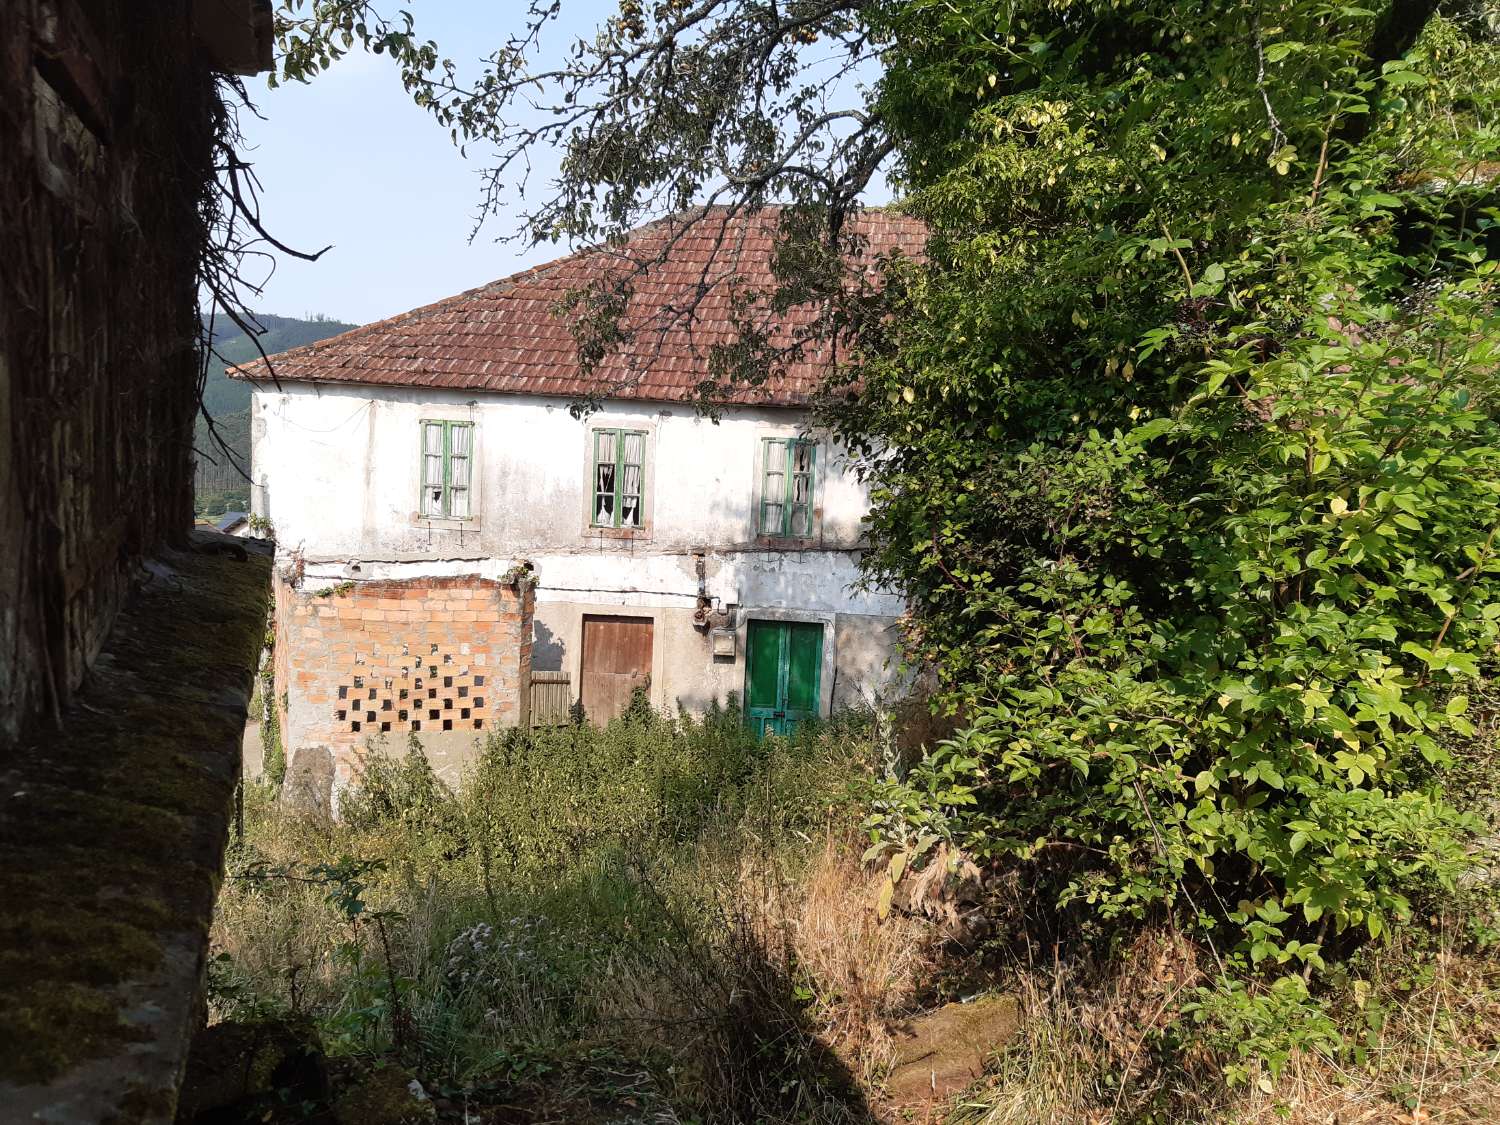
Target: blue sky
349	160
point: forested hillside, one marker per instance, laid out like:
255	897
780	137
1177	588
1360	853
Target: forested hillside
218	485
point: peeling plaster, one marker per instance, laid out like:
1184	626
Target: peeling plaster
340	467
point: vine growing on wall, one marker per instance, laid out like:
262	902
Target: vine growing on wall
273	753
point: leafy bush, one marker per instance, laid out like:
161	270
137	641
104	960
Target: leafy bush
1184	444
390	789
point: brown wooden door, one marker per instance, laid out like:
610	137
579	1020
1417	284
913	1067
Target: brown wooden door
616	661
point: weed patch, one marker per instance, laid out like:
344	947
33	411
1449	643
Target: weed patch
663	917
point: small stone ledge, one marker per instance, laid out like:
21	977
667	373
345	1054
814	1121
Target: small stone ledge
112	838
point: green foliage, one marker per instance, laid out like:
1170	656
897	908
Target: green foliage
575	905
273	754
1184	447
536	801
1263	1026
1182	440
394	790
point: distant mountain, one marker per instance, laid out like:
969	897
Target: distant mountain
218	485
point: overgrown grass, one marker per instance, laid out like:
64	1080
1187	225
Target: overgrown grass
1412	1035
664	919
667	920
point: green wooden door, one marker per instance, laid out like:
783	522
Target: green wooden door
783	674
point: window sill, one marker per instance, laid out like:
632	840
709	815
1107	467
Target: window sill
436	524
790	543
626	533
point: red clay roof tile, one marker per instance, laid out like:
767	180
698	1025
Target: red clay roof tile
510	336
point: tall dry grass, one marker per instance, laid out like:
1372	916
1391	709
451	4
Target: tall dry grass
1422	1045
867	972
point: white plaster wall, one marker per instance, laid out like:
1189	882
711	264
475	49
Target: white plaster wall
338	468
860	667
336	471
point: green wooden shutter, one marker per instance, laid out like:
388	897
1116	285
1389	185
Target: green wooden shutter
460	461
802	458
788	485
631	478
763	676
433	442
619	468
804	671
446	471
606	478
783	674
773	487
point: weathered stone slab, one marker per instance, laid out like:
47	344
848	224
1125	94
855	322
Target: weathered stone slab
112	837
946	1050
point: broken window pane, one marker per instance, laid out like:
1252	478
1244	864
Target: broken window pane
801	457
446	469
787	488
619	478
800	508
432	469
604	494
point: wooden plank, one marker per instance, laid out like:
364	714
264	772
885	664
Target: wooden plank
616	660
549	698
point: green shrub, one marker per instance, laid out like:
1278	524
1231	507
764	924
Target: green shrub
578	878
388	789
1189	460
1196	485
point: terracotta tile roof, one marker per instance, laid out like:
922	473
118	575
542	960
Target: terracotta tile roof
510	337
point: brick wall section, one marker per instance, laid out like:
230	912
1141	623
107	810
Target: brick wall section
424	656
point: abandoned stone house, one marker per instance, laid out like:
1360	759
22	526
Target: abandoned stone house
460	549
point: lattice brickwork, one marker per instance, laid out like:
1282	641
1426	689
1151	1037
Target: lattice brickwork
425	656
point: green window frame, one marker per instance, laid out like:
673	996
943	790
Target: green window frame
446	470
788	482
618	470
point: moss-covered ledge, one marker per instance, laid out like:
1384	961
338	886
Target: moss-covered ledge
112	837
